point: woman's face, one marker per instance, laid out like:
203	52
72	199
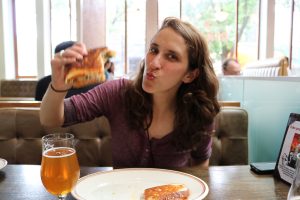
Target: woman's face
166	63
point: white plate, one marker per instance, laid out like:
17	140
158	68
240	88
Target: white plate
3	163
130	183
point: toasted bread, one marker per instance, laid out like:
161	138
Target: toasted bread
167	192
90	70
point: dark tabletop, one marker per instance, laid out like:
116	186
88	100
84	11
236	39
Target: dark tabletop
231	182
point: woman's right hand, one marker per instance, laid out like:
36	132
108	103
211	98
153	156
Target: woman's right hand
52	106
68	56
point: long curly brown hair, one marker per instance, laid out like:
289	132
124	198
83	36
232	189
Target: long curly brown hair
196	104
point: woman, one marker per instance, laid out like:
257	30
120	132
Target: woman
162	118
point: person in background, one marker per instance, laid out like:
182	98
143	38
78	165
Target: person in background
109	68
163	117
231	67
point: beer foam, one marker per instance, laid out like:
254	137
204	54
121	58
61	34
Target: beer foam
59	152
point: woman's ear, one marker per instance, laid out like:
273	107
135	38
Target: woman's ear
190	76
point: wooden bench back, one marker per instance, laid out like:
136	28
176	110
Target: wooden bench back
267	68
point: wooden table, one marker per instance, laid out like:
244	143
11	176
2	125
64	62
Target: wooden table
231	182
23	182
230	103
16	98
238	182
19	104
30	102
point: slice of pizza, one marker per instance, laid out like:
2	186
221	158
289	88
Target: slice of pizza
90	69
167	192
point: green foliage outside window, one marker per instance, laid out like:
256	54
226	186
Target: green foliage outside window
217	21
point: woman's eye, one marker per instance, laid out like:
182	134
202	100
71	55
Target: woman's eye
152	50
172	57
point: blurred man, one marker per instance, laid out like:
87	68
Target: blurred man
231	67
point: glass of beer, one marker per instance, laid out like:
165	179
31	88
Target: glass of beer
59	169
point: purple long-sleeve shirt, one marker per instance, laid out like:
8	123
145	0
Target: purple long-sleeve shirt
130	148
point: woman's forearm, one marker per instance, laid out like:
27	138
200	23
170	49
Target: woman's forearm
52	108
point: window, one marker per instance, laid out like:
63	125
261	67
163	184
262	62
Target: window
231	31
282	28
63	21
216	20
247	44
126	37
25	38
167	8
296	40
136	31
115	32
63	28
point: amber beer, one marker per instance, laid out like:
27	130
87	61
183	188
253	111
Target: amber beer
59	170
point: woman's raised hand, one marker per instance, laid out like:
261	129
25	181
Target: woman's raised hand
68	56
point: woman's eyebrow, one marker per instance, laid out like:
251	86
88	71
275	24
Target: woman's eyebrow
176	53
154	44
173	52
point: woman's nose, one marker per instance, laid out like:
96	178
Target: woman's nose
156	62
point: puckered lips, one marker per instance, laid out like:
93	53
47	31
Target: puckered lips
150	75
90	70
